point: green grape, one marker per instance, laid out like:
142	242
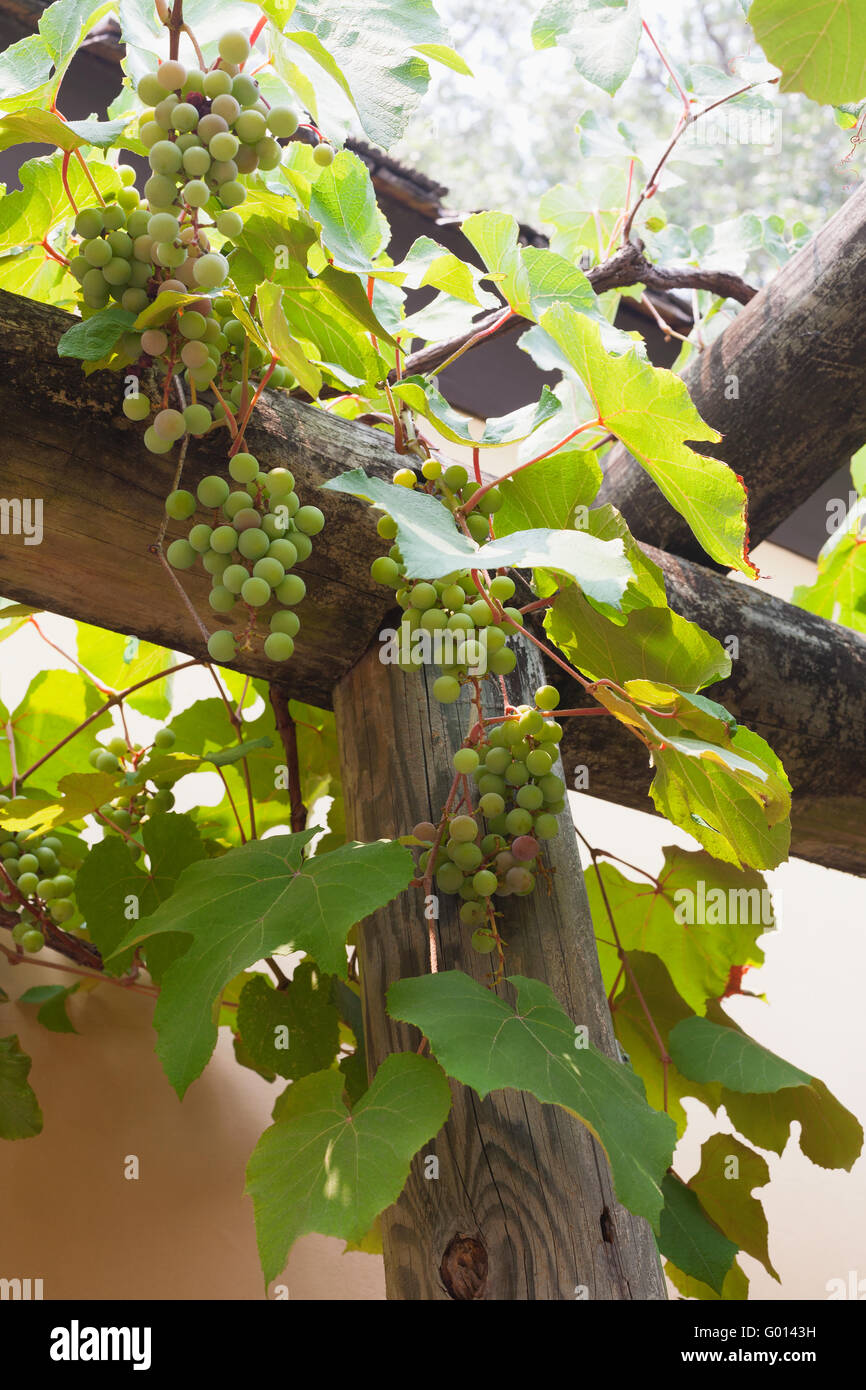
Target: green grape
385	571
154	342
96	253
455	477
235	503
254	544
46	889
230	224
32	941
243	468
256	592
270	570
171	75
184	117
478	527
215	564
324	155
120	243
164	799
220	599
280	548
501	663
431	469
216	83
221	646
453	596
283	121
61	909
136	407
497	761
546	826
46	856
552	786
232	194
433	620
211	270
27	882
386	526
156	443
491	805
463	828
309	520
196	161
180	555
460	622
490	503
192	324
245	90
446	689
423	596
195	193
170	256
179	505
516	774
224	540
484	883
164	157
197	418
164	738
223	145
128	199
28	863
279	646
551	732
291	590
212	491
472	914
466	856
235	577
211	125
134	299
484	942
518	821
539	762
502	588
250	126
287	622
530	797
303	545
199	538
233	47
449	878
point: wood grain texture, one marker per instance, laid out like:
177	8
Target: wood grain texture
797	353
526	1182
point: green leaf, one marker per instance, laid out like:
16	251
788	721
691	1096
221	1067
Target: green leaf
721	783
258	898
291	1031
839	591
227	756
442	53
829	1134
690	1239
368	51
549	493
651	412
163	308
94	337
424	397
54	705
602	35
282	343
707	1051
343	200
80	794
40	127
432	547
53	999
820	47
113	892
40	205
484	1043
32	70
703	917
735	1288
729	1172
20	1116
122	662
323	1168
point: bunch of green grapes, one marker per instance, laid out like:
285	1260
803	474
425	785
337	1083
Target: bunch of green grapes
255	536
127	810
32	862
495	851
479	618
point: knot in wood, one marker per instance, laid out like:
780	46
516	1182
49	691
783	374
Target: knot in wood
464	1268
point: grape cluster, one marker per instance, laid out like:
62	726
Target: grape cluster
495	849
32	862
477	617
257	533
127	810
203	131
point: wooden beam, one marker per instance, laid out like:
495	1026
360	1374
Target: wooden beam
525	1185
799	680
785	384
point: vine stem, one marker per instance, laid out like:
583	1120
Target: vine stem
87	174
427	880
15	959
10	739
55	255
64	179
287	730
494	482
156	549
247	415
103	689
476	338
237	725
112	700
624	961
683	96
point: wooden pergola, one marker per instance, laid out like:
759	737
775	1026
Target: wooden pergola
523	1207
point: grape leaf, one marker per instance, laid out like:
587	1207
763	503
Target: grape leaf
53	1000
720	782
32	211
303	1009
80	794
32	70
94	337
367	49
839	591
53	706
424	397
602	35
281	341
829	1134
701	918
549	493
122	662
689	1238
442	53
734	1289
323	1168
20	1116
163	308
432	547
108	878
820	47
40	127
484	1043
724	1189
650	411
258	898
707	1051
343	200
428	263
